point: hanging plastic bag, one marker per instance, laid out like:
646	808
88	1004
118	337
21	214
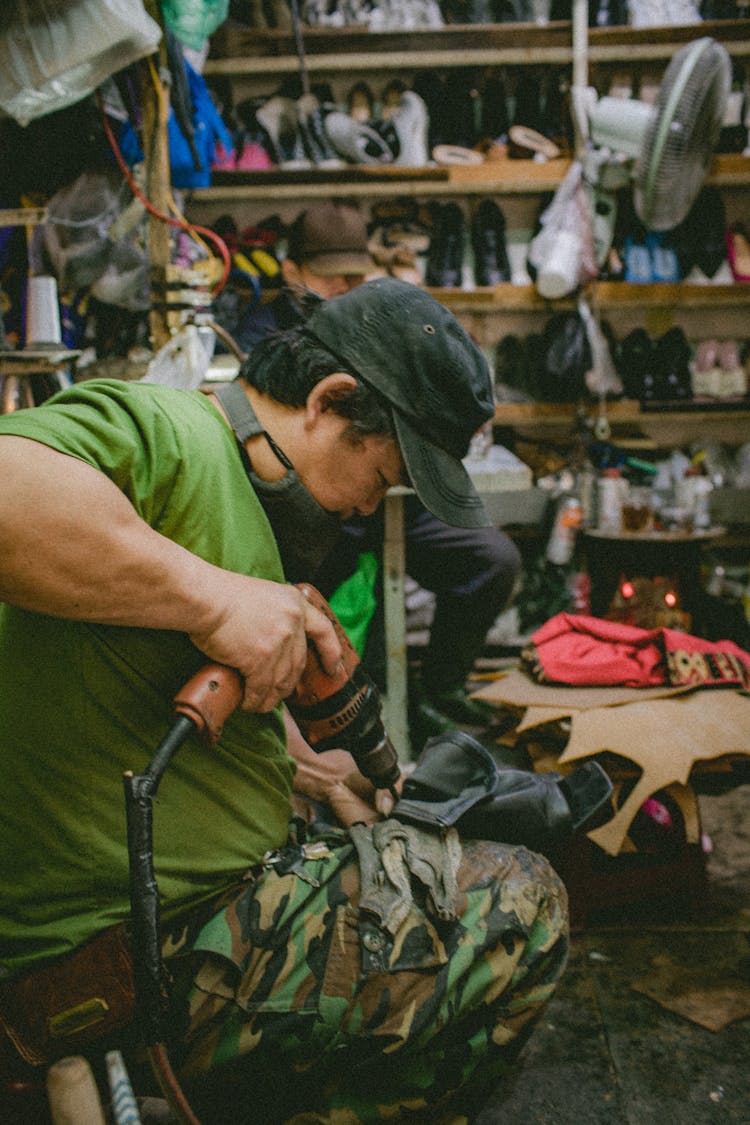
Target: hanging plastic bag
53	56
562	254
78	241
208	129
565	359
193	21
182	362
601	378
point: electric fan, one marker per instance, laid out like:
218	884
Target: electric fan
665	149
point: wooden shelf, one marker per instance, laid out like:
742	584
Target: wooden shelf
494	177
628	421
605	295
238	51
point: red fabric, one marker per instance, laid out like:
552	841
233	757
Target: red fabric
580	650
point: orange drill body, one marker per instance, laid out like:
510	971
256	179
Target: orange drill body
341	711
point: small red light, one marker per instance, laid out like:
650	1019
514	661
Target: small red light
671	599
627	590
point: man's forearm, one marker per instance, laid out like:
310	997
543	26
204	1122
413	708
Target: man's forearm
73	546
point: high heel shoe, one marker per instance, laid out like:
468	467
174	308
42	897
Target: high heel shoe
360	103
278	118
706	374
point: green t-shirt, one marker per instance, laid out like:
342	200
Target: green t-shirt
80	704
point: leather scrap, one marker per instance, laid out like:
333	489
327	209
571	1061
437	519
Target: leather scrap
665	738
711	998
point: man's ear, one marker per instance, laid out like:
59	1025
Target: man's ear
330	389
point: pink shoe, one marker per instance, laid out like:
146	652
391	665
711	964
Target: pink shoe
253	158
706	373
225	160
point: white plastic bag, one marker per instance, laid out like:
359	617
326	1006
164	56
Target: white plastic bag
52	57
602	378
81	242
182	362
562	253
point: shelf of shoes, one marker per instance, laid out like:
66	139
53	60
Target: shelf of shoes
249	58
605	295
237	50
631	425
366	181
244	55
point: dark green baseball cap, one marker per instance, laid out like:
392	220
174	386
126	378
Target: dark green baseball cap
410	349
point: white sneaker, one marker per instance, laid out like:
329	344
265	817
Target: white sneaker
278	116
411	122
356	142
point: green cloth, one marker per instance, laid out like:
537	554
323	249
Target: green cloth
82	703
354	601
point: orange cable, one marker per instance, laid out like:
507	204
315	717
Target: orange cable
182	224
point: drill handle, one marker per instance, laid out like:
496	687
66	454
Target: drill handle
315	684
209	698
213	693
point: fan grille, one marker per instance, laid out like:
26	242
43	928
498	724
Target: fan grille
683	133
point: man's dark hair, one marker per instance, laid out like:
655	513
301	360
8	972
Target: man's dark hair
288	364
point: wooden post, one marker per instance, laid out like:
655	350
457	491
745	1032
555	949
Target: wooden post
155	109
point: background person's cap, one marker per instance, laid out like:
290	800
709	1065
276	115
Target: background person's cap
331	240
412	350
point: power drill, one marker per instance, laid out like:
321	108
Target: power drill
341	711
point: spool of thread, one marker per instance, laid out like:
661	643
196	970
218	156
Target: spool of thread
42	313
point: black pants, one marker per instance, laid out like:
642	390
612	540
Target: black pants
471	571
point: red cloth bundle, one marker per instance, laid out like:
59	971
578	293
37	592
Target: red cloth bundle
580	650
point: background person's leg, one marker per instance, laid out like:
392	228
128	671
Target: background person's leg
473	573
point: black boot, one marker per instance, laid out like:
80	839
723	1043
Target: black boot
458	783
491	264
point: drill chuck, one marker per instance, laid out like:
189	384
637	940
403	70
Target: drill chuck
349	719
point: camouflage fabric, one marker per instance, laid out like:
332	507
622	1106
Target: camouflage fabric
283	1014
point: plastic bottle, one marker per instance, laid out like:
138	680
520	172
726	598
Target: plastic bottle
609	501
702	503
586	490
694	497
562	540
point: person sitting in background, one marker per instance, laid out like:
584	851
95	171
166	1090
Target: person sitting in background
473	572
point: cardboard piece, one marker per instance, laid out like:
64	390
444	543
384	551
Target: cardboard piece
709	998
665	738
517	689
664	731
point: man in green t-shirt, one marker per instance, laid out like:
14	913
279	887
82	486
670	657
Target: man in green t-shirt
147	530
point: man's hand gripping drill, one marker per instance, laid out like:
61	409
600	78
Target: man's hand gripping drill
338	711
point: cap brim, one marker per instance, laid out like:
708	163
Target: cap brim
341	264
440	481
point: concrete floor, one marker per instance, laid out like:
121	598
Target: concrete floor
604	1054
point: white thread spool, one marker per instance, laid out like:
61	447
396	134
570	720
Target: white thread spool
42	313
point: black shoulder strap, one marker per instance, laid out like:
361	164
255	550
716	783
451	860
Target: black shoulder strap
240	413
244	421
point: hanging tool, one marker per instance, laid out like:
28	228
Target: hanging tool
342	710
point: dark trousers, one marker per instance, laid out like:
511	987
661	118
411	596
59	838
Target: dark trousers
471	571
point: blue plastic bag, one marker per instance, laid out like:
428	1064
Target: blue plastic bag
209	128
